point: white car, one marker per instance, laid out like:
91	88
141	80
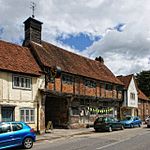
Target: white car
147	118
148	122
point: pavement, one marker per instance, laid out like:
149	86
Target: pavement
63	133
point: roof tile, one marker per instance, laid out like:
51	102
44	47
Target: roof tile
51	55
17	59
125	79
141	95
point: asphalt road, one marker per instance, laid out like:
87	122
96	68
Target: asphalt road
128	139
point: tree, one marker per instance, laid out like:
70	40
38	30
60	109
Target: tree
143	81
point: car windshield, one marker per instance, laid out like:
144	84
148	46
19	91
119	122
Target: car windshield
102	119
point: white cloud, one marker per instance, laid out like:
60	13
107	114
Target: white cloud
124	52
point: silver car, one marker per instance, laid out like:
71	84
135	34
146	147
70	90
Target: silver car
147	119
148	122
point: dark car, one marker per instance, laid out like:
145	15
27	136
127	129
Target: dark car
107	124
131	121
14	134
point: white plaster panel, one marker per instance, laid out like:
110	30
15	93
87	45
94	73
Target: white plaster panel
132	89
5	86
26	95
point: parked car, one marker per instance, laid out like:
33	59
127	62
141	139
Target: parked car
148	123
131	121
107	124
14	134
146	120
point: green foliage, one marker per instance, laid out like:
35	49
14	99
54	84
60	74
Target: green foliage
143	80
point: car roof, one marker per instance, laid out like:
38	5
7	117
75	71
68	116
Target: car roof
12	122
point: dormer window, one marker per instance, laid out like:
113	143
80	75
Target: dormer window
21	82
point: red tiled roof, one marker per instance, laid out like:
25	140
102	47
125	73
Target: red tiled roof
51	55
16	58
141	95
125	79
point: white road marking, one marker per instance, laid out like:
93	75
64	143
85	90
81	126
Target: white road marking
113	143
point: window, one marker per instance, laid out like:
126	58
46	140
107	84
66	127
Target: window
67	79
139	102
17	126
5	127
147	112
119	88
90	83
75	111
109	87
132	96
7	114
21	82
27	115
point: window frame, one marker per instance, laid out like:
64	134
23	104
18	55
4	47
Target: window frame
25	115
67	79
17	124
22	82
132	96
108	87
90	83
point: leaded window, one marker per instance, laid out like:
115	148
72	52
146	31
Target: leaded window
90	83
67	79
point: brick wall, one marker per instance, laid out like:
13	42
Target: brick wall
144	109
78	87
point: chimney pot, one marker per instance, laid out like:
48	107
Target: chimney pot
100	59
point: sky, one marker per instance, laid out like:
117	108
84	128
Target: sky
117	30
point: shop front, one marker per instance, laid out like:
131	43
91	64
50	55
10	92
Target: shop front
69	111
83	112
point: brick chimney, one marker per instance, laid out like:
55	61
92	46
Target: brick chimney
32	30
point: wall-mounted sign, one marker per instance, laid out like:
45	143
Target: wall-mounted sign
55	72
52	73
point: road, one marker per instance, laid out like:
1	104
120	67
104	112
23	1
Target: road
128	139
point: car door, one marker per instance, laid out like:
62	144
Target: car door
18	133
137	121
115	123
5	135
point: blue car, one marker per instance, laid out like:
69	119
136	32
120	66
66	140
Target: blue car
131	121
14	134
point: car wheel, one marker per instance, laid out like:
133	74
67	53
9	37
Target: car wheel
139	125
110	129
28	143
122	127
